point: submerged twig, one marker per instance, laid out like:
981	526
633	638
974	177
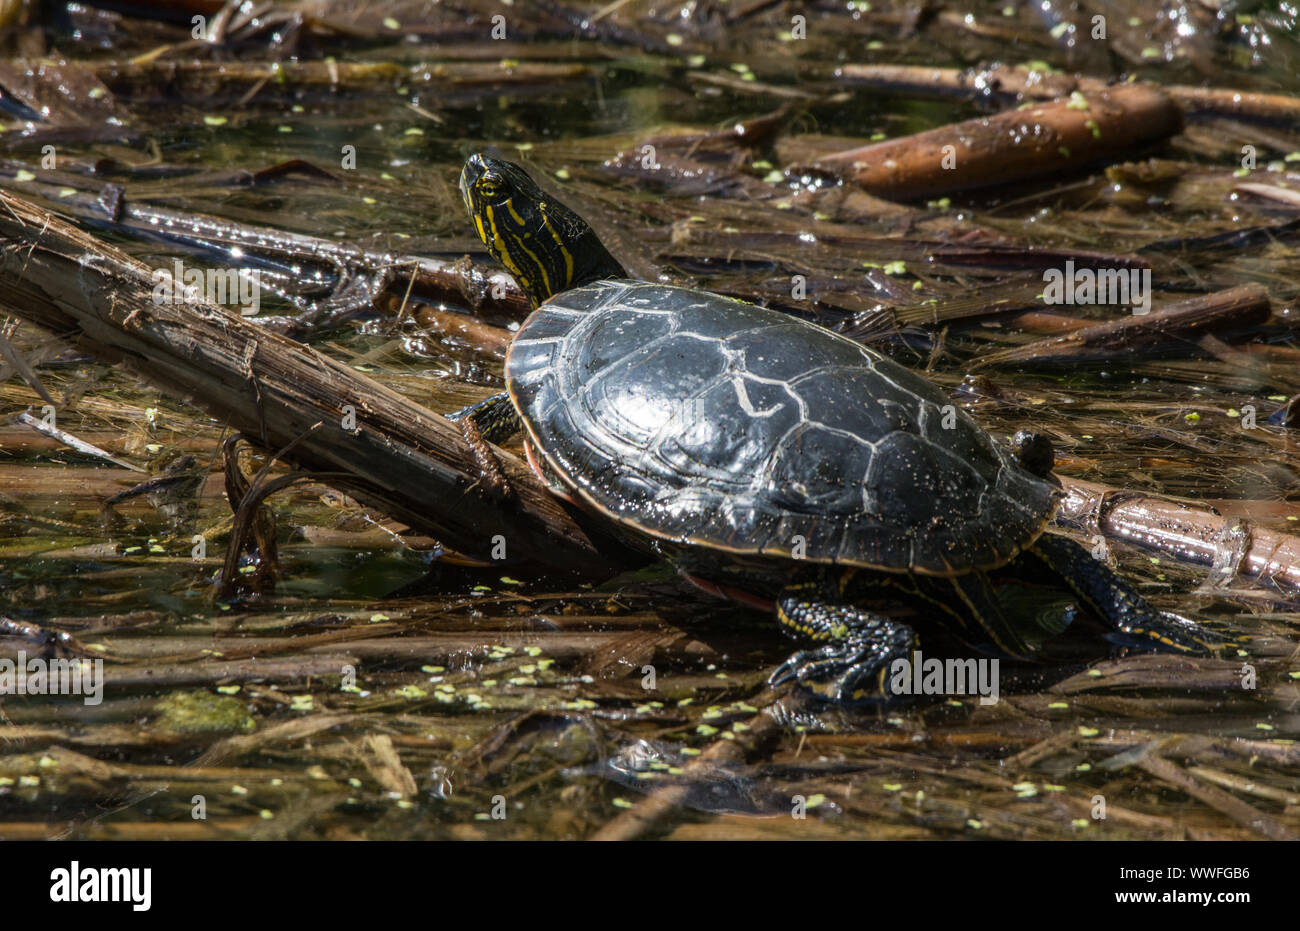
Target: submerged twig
68	439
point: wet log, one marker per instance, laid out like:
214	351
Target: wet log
1179	324
399	458
1018	145
1233	549
1030	83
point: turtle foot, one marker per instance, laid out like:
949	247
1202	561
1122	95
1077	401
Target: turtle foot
858	649
1163	632
830	673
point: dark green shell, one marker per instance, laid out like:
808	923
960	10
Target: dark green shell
700	419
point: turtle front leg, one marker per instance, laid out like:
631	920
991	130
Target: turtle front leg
491	420
494	416
858	646
1132	620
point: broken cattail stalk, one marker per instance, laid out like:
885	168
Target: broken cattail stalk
1184	321
1040	140
1220	101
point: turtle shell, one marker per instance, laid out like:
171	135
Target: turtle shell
706	420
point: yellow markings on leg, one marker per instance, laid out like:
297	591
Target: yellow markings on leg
786	620
1151	635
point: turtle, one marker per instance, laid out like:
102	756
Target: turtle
773	460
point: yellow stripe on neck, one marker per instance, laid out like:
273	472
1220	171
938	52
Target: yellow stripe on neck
505	255
568	256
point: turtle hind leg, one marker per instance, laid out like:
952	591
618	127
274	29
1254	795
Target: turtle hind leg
491	420
857	648
1130	619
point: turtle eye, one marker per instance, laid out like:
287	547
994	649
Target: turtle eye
489	187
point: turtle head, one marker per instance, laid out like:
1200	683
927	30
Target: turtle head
546	246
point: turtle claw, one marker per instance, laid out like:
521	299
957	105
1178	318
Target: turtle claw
857	646
806	667
848	670
787	670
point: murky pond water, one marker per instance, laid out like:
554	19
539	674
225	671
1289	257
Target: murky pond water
380	687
